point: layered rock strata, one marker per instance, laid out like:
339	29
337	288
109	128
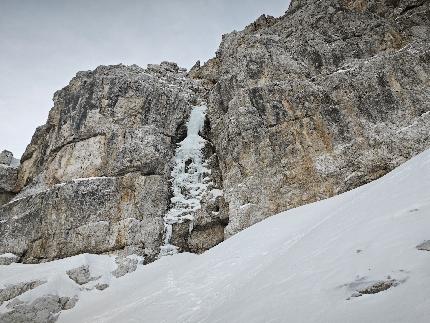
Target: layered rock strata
96	177
328	97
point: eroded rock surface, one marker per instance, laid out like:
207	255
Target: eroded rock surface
125	266
328	97
8	176
81	275
42	310
6	157
94	216
96	177
111	121
11	291
379	287
101	286
8	258
374	287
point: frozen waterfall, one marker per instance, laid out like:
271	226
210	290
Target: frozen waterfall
190	178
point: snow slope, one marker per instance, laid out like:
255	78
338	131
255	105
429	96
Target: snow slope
299	266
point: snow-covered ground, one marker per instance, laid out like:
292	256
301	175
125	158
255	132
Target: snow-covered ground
304	265
299	266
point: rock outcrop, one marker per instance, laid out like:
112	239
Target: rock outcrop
42	310
328	97
81	275
8	176
324	99
425	246
96	177
10	292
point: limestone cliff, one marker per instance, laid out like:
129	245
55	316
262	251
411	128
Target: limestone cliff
96	177
330	96
302	107
8	176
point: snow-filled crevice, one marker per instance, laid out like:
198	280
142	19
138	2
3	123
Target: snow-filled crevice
190	178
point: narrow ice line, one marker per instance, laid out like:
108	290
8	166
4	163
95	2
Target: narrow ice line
190	178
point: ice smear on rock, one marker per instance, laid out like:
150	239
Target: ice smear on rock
190	178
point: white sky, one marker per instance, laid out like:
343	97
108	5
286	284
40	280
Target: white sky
44	43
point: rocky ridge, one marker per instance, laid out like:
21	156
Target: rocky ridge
328	97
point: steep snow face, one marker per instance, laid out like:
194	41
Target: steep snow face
190	177
305	265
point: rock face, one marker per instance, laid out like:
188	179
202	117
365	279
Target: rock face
7	259
43	310
96	177
112	121
6	157
326	98
321	100
96	215
8	176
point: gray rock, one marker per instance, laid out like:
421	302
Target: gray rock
109	122
376	287
8	176
379	287
67	303
95	216
7	259
424	246
330	96
14	302
101	286
6	158
125	266
11	291
81	275
6	197
96	177
203	238
42	310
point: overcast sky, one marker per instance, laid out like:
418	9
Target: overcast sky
44	43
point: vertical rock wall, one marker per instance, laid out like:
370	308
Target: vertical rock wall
97	176
328	97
